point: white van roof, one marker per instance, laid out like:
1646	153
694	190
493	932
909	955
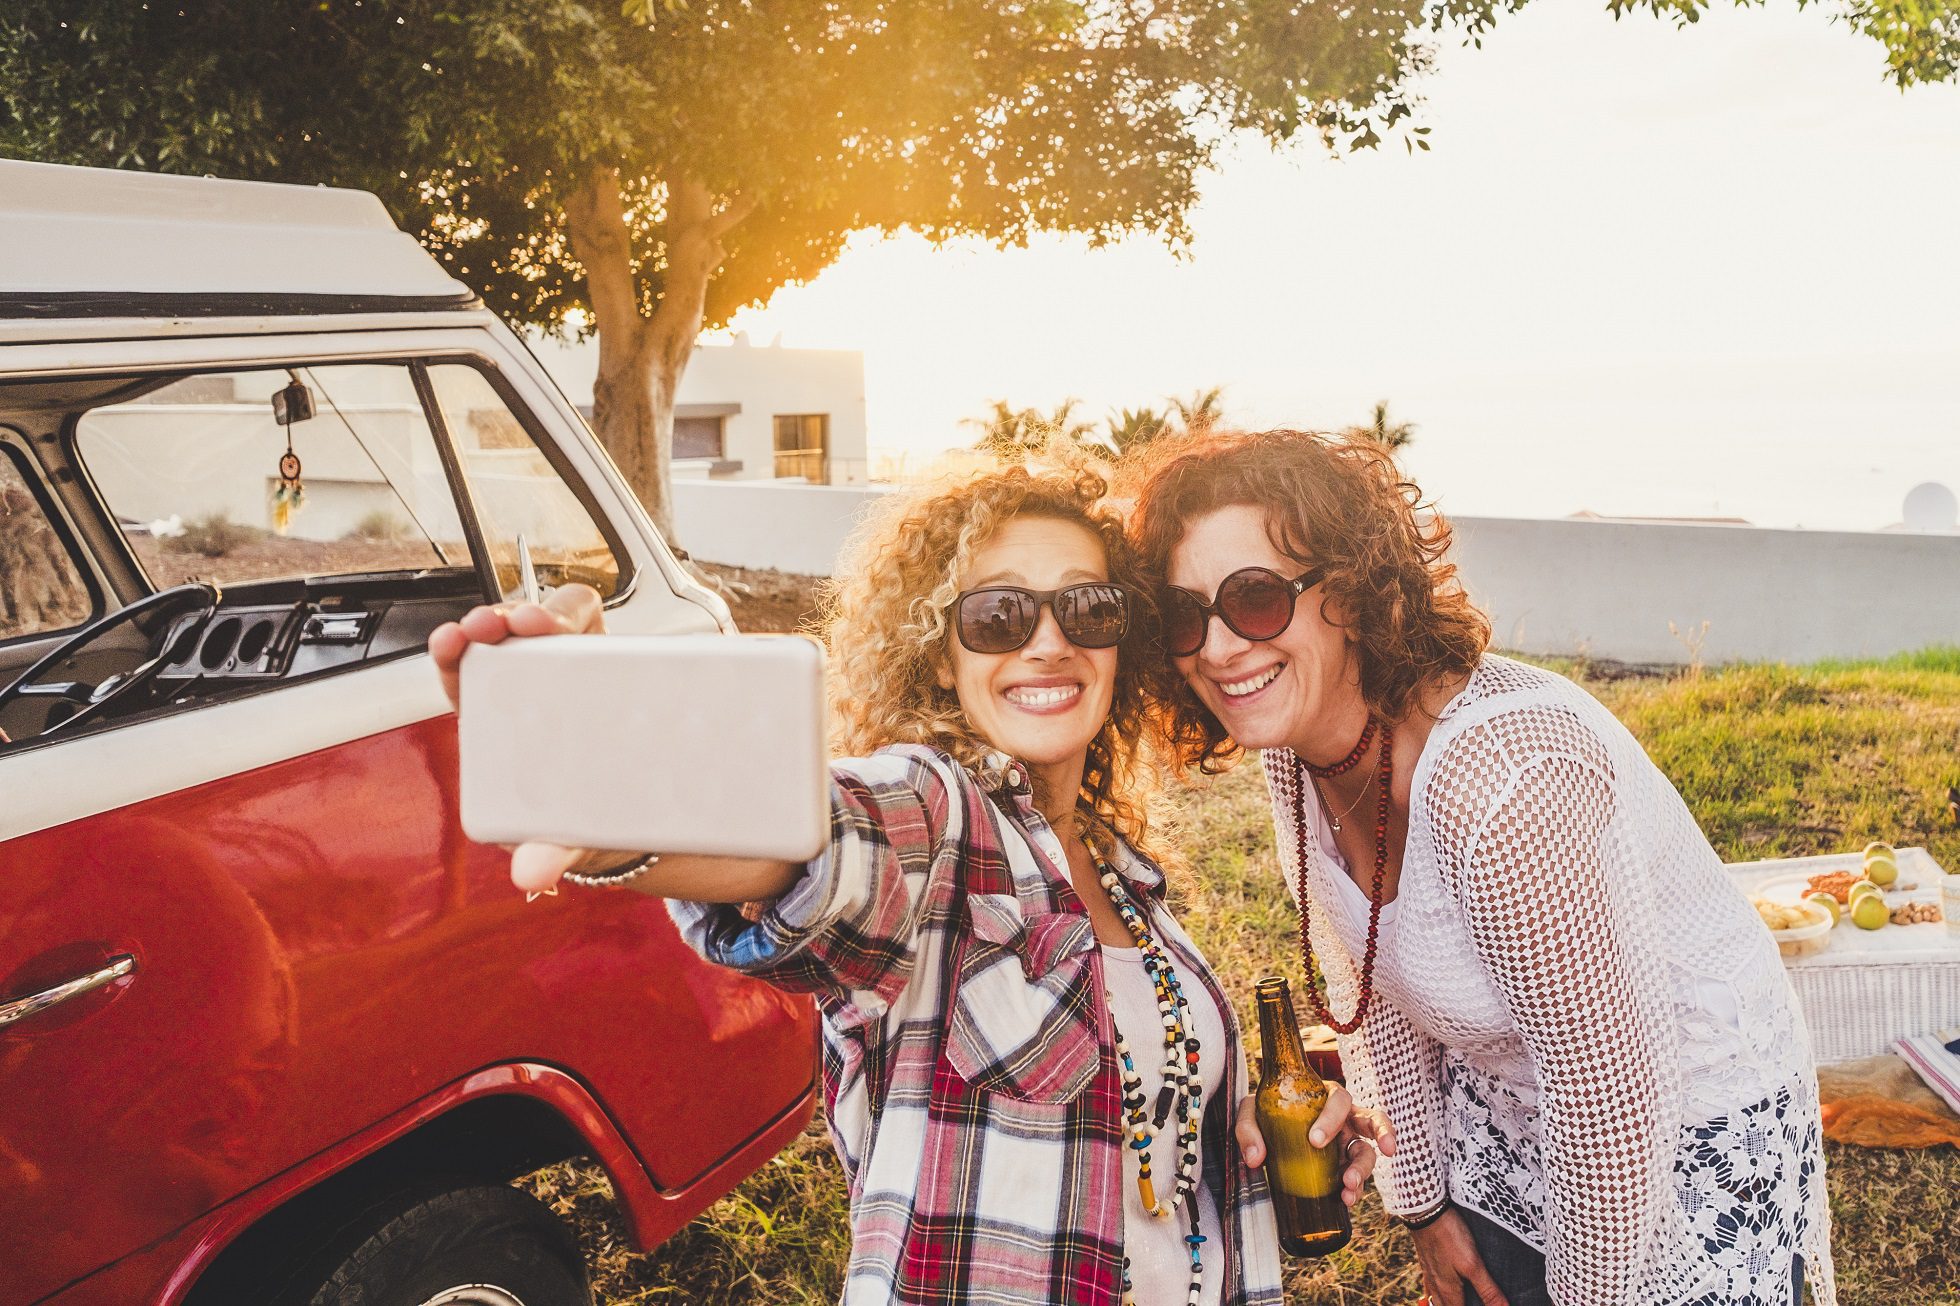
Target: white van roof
122	241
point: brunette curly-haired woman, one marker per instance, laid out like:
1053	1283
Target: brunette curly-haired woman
1602	1091
986	934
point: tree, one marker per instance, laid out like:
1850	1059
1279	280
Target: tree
1012	433
1389	435
645	169
1133	428
1201	411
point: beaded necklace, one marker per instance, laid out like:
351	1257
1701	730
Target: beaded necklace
1385	773
1182	1089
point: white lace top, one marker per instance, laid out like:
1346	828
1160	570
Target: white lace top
1580	1027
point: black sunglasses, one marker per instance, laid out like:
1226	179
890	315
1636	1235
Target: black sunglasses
1255	602
1001	618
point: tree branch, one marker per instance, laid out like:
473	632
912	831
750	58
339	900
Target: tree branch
595	219
739	206
694	251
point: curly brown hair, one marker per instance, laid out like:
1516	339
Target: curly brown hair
1333	502
885	620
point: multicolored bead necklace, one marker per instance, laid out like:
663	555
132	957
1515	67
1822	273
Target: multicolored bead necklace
1385	774
1182	1089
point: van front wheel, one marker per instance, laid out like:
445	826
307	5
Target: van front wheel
477	1246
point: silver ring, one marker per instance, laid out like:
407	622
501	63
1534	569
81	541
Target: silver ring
1347	1153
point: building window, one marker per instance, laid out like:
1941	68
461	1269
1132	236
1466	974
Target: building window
802	444
698	437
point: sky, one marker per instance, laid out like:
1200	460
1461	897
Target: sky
1643	271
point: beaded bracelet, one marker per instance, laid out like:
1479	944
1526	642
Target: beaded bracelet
1426	1218
632	870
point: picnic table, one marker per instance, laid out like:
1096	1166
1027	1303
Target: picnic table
1868	987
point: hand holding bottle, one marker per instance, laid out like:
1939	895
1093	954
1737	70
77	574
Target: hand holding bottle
1308	1154
1363	1134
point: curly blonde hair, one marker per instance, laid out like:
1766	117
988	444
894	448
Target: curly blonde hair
886	623
1331	501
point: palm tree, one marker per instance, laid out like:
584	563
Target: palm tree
1201	411
1003	430
1062	422
1132	428
1011	433
1390	436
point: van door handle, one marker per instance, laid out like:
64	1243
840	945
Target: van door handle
34	1004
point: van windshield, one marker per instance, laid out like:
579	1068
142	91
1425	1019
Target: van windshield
206	482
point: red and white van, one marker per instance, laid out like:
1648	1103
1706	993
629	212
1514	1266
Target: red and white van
271	1029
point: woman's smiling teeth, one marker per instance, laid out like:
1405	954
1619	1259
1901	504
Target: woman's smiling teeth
1253	684
1043	696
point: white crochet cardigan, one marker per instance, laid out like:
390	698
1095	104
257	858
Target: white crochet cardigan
1580	1028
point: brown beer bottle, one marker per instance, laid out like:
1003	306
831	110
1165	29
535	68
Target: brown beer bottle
1306	1180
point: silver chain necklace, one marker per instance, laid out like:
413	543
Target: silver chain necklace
1351	806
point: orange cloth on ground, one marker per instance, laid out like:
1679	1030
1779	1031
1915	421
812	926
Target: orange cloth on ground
1881	1102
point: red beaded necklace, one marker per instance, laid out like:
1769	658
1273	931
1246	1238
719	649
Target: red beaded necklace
1301	769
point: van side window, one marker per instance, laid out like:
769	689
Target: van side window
42	588
518	491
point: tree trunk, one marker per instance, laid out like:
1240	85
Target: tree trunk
641	358
627	413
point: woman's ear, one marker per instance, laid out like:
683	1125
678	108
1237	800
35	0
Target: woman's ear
1336	613
942	669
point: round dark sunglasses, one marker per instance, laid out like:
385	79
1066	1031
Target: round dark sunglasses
1255	602
1001	618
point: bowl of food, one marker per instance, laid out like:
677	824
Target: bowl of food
1801	929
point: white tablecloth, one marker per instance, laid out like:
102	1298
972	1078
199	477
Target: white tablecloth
1870	987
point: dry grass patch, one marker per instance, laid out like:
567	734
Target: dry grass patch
781	1239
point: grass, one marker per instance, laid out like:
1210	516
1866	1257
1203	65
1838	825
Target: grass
377	524
213	535
781	1238
1774	761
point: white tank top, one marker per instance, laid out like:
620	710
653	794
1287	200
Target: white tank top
1160	1261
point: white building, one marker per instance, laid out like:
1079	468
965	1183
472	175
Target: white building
749	412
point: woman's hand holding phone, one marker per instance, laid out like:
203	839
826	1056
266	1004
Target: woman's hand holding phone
537	867
566	610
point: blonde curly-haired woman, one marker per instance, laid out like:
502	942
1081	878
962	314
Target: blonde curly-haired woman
1020	1118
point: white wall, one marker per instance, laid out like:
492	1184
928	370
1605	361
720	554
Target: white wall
784	525
1611	588
764	380
1604	588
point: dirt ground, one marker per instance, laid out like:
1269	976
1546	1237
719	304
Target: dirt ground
766	601
763	601
261	553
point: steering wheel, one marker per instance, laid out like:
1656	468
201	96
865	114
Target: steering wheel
153	615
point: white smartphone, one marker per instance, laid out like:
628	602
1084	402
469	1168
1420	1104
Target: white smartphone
654	743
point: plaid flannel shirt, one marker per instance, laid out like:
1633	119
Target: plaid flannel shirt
969	1070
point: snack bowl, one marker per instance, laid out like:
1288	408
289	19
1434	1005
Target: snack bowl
1807	939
